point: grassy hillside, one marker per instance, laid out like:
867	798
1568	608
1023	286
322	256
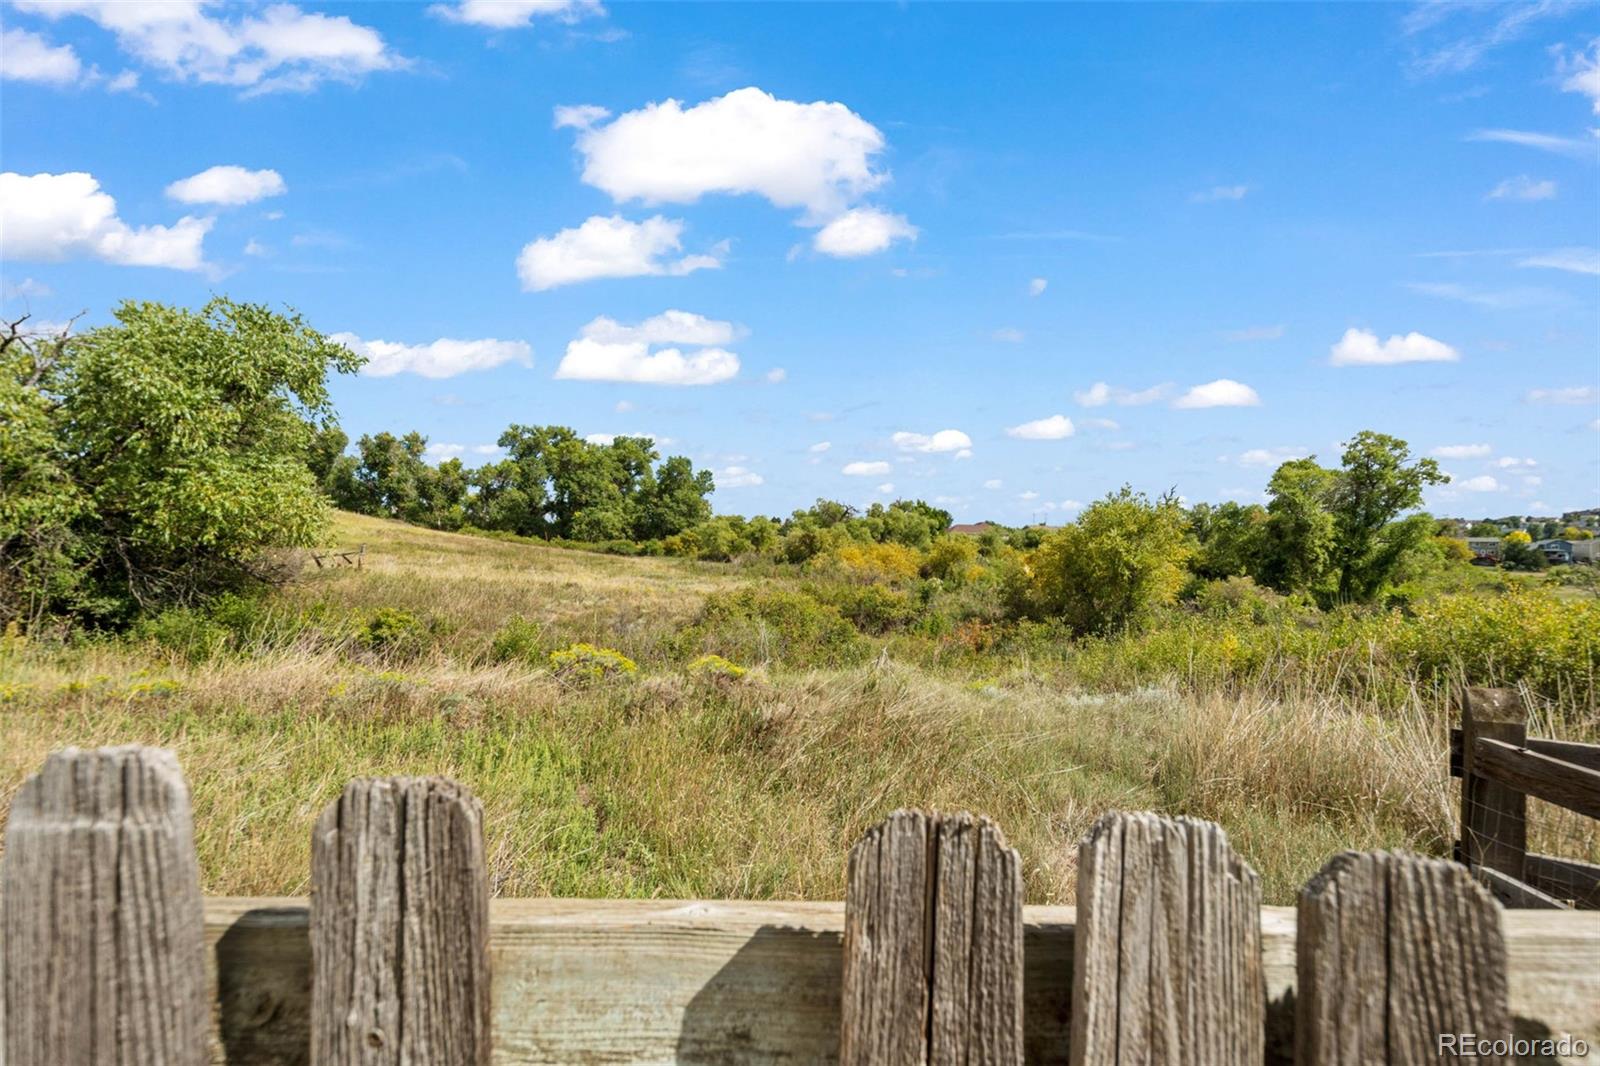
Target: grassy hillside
679	780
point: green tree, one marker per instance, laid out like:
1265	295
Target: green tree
1231	538
1522	555
184	436
1375	485
1298	540
1112	569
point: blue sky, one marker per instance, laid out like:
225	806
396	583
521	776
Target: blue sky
1001	257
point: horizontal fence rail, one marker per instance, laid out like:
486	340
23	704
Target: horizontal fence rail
701	982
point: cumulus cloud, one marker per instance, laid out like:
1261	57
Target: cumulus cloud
1481	483
1576	394
516	14
1523	187
1572	260
443	358
820	158
1037	286
1219	193
862	231
1361	347
26	56
1462	451
1054	427
275	48
608	350
820	447
865	469
1511	462
886	488
608	247
736	477
817	156
228	186
1099	394
945	440
1223	392
52	217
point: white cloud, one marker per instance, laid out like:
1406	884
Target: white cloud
579	116
515	14
1501	300
443	358
1462	451
862	231
1583	74
863	469
227	185
945	440
1054	427
820	447
1523	187
1223	392
1099	394
1107	424
52	217
622	407
1544	142
608	247
437	451
1254	333
994	483
1028	495
1511	462
1270	456
1577	394
818	156
1360	347
1008	335
607	350
777	376
736	477
1481	483
255	248
281	48
886	488
1574	260
1219	193
26	56
25	288
1037	286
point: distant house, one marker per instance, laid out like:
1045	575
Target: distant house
1484	547
1561	551
973	528
1586	519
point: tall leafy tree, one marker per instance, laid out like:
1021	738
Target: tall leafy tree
1298	540
1376	484
184	436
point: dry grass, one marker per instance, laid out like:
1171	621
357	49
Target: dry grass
667	785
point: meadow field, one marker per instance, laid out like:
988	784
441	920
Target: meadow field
673	728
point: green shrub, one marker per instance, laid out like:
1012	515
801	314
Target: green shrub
716	668
872	609
392	631
587	663
517	641
187	632
773	625
950	558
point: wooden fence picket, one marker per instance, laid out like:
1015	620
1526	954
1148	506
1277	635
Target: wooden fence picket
1167	952
1393	953
932	945
399	926
103	921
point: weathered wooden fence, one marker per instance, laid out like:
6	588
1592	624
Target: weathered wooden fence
1500	766
111	955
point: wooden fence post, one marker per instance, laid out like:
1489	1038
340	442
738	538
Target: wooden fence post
932	945
102	915
399	926
1167	952
1494	825
1394	955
